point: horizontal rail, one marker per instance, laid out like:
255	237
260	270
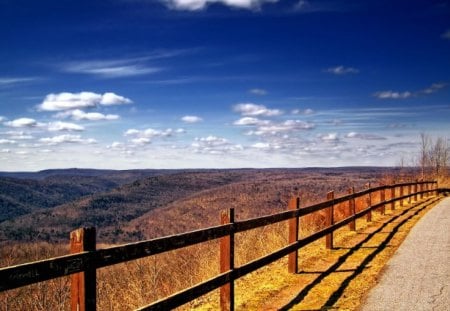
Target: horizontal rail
29	273
200	289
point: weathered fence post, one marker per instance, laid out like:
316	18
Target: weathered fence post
330	220
84	284
421	191
392	197
352	211
382	199
415	191
227	261
294	204
401	195
409	194
369	204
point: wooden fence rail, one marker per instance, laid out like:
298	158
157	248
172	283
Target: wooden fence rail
85	260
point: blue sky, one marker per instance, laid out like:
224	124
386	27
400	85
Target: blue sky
220	83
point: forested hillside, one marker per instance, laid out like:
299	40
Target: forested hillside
169	202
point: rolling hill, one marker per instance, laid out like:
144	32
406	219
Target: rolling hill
165	203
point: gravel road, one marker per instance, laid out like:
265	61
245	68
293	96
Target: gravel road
417	277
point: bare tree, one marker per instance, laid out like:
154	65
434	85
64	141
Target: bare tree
425	142
439	157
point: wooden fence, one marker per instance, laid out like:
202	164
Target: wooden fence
85	259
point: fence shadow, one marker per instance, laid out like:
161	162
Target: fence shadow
342	259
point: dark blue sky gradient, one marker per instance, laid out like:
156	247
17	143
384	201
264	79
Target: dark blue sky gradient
173	63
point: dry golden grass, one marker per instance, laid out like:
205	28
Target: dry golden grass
329	279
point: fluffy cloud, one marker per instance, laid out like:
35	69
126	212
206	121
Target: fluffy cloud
191	119
393	95
250	109
22	122
66	139
64	126
195	5
260	92
78	115
251	121
70	101
341	70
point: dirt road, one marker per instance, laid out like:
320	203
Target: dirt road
417	277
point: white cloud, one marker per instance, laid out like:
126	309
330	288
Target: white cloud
69	101
250	109
5	150
446	35
261	145
78	115
67	138
6	81
141	137
2	119
111	68
7	141
341	70
22	122
116	145
64	126
330	137
20	135
214	145
260	92
434	88
131	132
191	119
393	95
141	141
195	5
273	128
407	94
110	99
307	111
250	121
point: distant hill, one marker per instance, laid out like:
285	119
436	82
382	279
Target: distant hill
166	202
121	176
22	196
